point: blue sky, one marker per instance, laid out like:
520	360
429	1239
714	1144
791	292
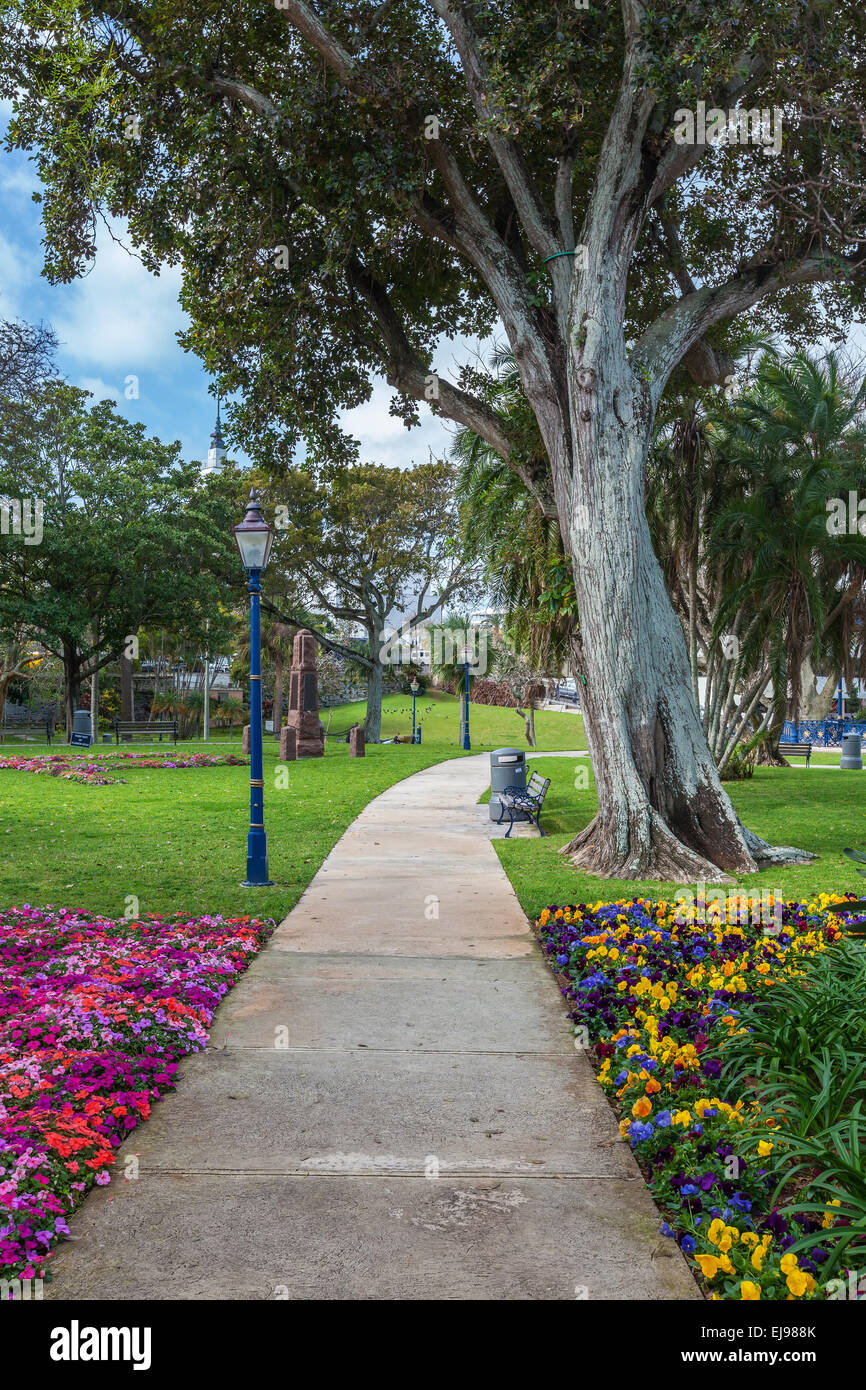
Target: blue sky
121	321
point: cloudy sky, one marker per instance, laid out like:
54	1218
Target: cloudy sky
121	321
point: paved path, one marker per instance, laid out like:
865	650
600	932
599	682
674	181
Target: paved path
424	1036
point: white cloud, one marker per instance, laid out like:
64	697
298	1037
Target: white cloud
120	316
385	439
18	180
100	389
17	268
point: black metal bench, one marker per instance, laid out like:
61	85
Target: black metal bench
796	750
24	728
529	800
128	728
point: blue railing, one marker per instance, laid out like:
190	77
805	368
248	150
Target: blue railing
824	733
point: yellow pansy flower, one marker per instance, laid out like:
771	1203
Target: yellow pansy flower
716	1231
797	1282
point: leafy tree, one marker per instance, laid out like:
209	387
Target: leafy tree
523	680
26	358
130	536
345	185
369	543
233	711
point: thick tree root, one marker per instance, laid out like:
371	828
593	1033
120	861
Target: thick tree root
656	855
765	854
660	855
770	757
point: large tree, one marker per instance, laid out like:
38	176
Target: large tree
343	185
374	546
130	535
26	357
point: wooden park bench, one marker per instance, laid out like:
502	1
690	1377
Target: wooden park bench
796	750
127	729
528	800
37	729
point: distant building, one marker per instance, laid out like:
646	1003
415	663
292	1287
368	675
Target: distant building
217	451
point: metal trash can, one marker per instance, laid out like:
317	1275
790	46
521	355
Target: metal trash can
507	769
418	734
852	755
82	734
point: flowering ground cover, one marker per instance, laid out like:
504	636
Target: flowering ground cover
94	1017
735	1054
99	769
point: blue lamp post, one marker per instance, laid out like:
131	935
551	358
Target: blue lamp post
467	746
254	539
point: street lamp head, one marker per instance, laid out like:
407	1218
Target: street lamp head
254	536
414	687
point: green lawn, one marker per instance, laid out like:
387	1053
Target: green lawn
176	840
489	726
819	810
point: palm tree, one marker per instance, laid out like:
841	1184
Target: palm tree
193	703
234	711
800	441
278	643
510	524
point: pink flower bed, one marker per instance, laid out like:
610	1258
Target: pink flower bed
97	769
94	1016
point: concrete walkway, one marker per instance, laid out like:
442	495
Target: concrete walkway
392	1106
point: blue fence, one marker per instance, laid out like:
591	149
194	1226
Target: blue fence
824	733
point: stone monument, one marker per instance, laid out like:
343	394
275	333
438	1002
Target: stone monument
303	715
357	742
288	744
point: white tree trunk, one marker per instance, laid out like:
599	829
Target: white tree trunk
662	810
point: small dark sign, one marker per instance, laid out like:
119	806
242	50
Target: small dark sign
80	740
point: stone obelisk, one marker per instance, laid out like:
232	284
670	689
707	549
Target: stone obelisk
303	714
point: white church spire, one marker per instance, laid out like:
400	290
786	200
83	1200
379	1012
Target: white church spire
217	451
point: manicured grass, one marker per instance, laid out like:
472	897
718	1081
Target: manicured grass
176	840
820	810
489	726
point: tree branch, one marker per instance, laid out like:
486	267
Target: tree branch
680	327
534	217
